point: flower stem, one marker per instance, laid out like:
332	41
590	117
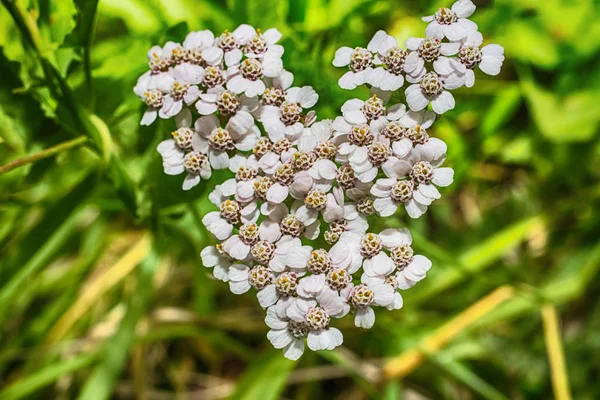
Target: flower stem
49	152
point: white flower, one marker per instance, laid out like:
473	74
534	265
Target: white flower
430	50
364	149
273	154
201	48
372	111
362	297
281	222
412	267
346	179
230	43
247	77
285	182
390	281
246	174
316	314
227	103
316	201
146	89
286	120
489	58
433	88
274	94
273	255
220	223
214	257
360	62
390	58
410	132
318	140
159	58
240	133
173	150
451	23
418	192
262	45
286	334
352	221
179	85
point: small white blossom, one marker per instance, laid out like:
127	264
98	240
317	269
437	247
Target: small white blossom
360	64
214	257
240	133
451	23
247	77
316	201
433	88
286	334
281	222
200	48
390	60
489	58
179	86
430	50
227	103
362	297
286	120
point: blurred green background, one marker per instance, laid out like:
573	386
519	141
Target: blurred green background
102	293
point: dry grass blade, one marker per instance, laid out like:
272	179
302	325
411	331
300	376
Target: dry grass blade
100	285
560	379
408	361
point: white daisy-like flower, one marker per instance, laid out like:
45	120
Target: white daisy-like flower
214	257
147	90
363	297
199	48
410	132
272	154
231	42
173	150
159	58
390	281
353	187
330	205
418	192
274	94
430	50
285	333
220	223
433	88
281	222
451	23
351	249
247	77
227	103
273	255
317	314
489	58
240	133
286	120
352	221
390	59
263	44
360	64
318	140
238	245
411	267
285	181
179	86
372	111
246	174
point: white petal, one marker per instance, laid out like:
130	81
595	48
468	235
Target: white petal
342	56
364	318
267	296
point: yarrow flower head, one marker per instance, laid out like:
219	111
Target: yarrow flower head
292	211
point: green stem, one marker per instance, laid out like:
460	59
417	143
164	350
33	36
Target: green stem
49	152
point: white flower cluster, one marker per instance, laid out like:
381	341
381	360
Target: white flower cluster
296	178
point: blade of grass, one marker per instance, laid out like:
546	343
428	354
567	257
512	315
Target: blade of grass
98	286
560	379
46	376
464	375
100	383
409	360
49	152
265	378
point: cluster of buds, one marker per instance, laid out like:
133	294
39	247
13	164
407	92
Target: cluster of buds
296	178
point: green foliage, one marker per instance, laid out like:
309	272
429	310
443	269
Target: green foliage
524	211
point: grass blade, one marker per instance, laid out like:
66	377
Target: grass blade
560	379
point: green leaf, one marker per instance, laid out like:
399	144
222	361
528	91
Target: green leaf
265	378
46	376
464	375
573	118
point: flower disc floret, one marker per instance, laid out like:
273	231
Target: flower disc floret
370	245
260	276
319	261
